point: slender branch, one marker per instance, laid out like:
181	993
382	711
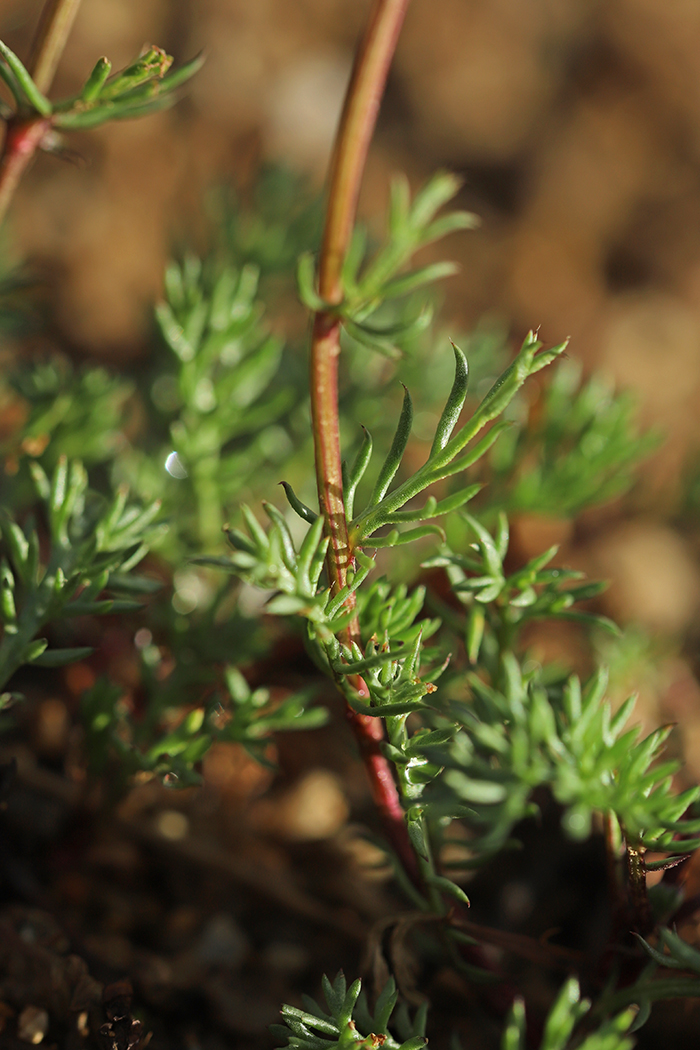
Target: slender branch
52	33
347	165
23	137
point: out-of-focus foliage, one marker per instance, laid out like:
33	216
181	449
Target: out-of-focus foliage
580	446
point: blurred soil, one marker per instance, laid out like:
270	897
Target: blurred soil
576	127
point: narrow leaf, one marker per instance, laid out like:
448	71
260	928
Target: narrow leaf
61	657
95	82
399	539
357	470
395	455
306	282
454	404
409	282
31	92
304	512
447	886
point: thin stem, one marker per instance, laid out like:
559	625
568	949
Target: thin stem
23	137
52	33
355	132
347	165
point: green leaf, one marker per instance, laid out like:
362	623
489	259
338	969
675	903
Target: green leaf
96	81
476	623
357	471
454	404
304	512
7	598
395	454
492	558
61	657
153	64
34	650
21	77
409	282
447	886
414	826
373	340
591	620
514	1033
564	1015
486	792
386	710
398	539
440	189
18	546
306	281
366	663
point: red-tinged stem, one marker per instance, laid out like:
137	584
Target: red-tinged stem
24	136
22	139
347	165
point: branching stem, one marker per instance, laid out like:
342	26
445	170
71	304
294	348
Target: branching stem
23	136
347	165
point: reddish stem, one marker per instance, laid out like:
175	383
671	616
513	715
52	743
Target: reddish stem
22	139
24	135
347	165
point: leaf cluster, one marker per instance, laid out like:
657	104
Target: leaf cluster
450	454
144	87
499	603
223	421
282	219
566	1013
172	740
77	413
580	446
93	545
523	736
370	283
348	1022
679	976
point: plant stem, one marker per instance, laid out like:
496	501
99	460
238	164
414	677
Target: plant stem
52	33
347	165
22	139
24	135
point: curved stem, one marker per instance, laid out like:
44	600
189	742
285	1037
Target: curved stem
347	165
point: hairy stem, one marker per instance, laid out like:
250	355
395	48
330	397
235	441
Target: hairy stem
347	165
52	33
24	136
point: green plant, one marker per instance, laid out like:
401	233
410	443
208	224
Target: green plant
36	123
462	734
